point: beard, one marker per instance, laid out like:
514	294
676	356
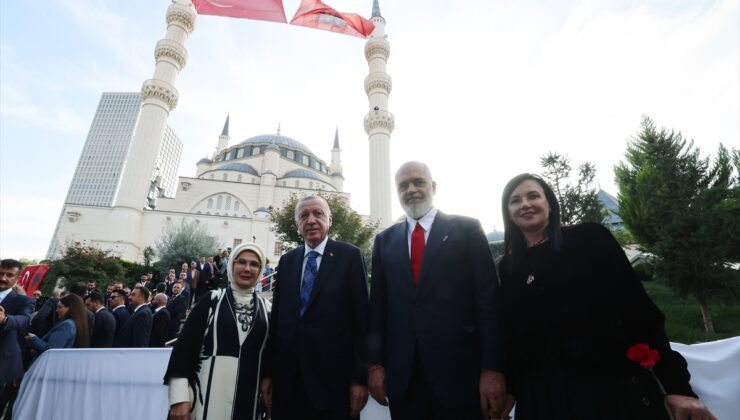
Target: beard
417	210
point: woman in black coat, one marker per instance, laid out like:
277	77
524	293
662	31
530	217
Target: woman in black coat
573	307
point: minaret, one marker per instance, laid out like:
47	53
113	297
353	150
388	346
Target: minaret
159	97
223	139
335	168
379	122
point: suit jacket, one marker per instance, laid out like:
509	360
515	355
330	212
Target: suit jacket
328	343
122	316
18	310
104	329
206	273
136	331
160	325
194	277
451	317
176	308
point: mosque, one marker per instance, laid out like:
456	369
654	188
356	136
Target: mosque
125	189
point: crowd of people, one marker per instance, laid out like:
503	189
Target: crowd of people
443	333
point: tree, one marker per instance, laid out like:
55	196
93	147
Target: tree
347	225
83	263
580	202
183	243
686	211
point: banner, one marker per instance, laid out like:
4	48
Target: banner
269	10
315	14
31	277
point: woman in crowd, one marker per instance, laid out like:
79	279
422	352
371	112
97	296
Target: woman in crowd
573	307
71	331
215	364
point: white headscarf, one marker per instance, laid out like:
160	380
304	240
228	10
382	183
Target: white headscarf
233	256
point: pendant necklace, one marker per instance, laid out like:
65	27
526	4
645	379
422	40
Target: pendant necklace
530	278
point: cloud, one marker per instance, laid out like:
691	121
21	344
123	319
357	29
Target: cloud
28	222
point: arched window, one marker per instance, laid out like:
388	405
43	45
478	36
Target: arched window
226	176
239	178
236	206
210	203
310	184
297	183
219	201
228	203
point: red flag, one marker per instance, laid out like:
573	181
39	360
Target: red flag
270	10
32	276
315	14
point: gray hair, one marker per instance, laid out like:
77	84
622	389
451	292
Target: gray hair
308	198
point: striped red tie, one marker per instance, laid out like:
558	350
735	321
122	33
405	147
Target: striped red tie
417	251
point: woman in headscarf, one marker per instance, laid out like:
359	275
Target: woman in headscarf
214	369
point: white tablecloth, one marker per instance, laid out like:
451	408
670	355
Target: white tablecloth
126	384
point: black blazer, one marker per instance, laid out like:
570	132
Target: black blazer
136	331
451	317
327	344
160	325
176	308
18	311
104	329
122	316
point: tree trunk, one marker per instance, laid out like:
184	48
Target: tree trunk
708	324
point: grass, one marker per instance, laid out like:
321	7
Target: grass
683	316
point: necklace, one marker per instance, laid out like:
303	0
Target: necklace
244	314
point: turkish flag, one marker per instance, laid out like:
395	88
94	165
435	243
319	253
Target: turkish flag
32	276
270	10
315	14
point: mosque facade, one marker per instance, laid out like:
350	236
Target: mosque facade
232	191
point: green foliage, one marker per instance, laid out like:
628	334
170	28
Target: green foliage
623	236
347	225
149	255
83	263
496	248
580	202
685	210
684	320
645	270
183	243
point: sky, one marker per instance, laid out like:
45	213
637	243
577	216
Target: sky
481	90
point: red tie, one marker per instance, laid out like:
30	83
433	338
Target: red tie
417	251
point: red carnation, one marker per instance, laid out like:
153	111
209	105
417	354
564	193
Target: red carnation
642	354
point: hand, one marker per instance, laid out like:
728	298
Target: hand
2	315
510	400
493	396
266	395
357	399
180	411
683	407
376	384
29	336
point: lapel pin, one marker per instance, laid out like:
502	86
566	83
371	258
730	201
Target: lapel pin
445	238
331	254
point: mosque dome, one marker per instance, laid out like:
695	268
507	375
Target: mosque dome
302	173
239	167
279	140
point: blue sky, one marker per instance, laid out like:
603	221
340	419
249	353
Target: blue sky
480	91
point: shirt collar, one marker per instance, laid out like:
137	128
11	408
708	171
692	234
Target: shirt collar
319	248
5	293
139	307
157	309
119	306
425	221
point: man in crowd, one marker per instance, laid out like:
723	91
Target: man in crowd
170	281
138	328
206	273
15	314
160	321
177	306
105	323
434	339
194	280
120	312
316	361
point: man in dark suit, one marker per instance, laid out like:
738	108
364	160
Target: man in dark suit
316	367
136	331
434	339
176	306
160	321
119	310
104	328
15	315
204	278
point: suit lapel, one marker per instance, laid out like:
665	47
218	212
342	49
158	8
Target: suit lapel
328	262
437	237
399	248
